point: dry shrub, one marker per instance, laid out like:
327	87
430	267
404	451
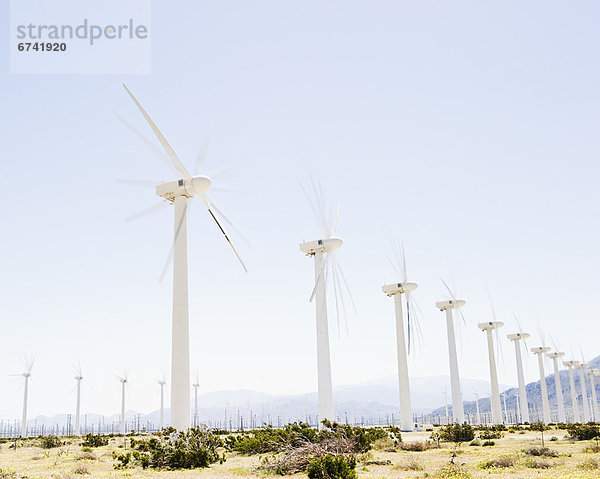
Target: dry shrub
453	471
589	465
410	464
535	463
296	459
499	462
384	444
592	448
540	452
86	456
81	470
417	446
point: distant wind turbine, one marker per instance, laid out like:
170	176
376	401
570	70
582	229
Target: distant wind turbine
516	338
448	306
574	405
162	383
78	378
26	375
123	381
540	351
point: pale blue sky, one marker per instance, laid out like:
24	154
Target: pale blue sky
470	129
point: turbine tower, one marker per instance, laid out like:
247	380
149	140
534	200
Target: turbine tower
562	417
26	375
457	407
123	381
591	374
396	290
489	327
477	407
524	407
540	351
196	385
177	192
574	405
162	383
78	378
584	397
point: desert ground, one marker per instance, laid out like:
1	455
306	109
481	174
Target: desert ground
507	458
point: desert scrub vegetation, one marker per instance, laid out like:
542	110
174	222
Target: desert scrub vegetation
455	433
540	451
10	474
332	467
501	462
50	442
417	446
453	471
492	432
94	440
588	465
583	432
171	449
299	449
410	463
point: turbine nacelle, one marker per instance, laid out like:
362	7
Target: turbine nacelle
188	187
490	325
398	288
450	304
582	365
571	364
321	246
556	355
540	350
517	336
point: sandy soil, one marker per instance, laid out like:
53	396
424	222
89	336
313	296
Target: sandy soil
69	462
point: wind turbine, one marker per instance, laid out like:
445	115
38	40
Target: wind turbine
448	306
591	373
78	378
540	351
162	383
574	405
196	385
584	396
477	407
396	290
323	252
562	417
489	327
26	375
123	381
595	373
524	407
177	192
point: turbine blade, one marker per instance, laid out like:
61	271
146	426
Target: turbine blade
203	153
162	156
335	220
168	148
336	265
320	277
212	174
235	228
151	209
137	182
314	209
208	207
405	274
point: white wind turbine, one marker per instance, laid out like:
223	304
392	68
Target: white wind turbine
123	381
177	192
196	385
477	407
517	337
574	405
78	378
396	290
448	306
489	327
540	351
592	373
26	375
162	383
584	396
326	266
555	356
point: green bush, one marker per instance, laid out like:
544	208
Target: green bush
488	443
50	442
173	449
583	432
456	433
489	433
332	467
94	440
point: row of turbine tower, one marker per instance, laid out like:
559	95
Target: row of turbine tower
326	270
